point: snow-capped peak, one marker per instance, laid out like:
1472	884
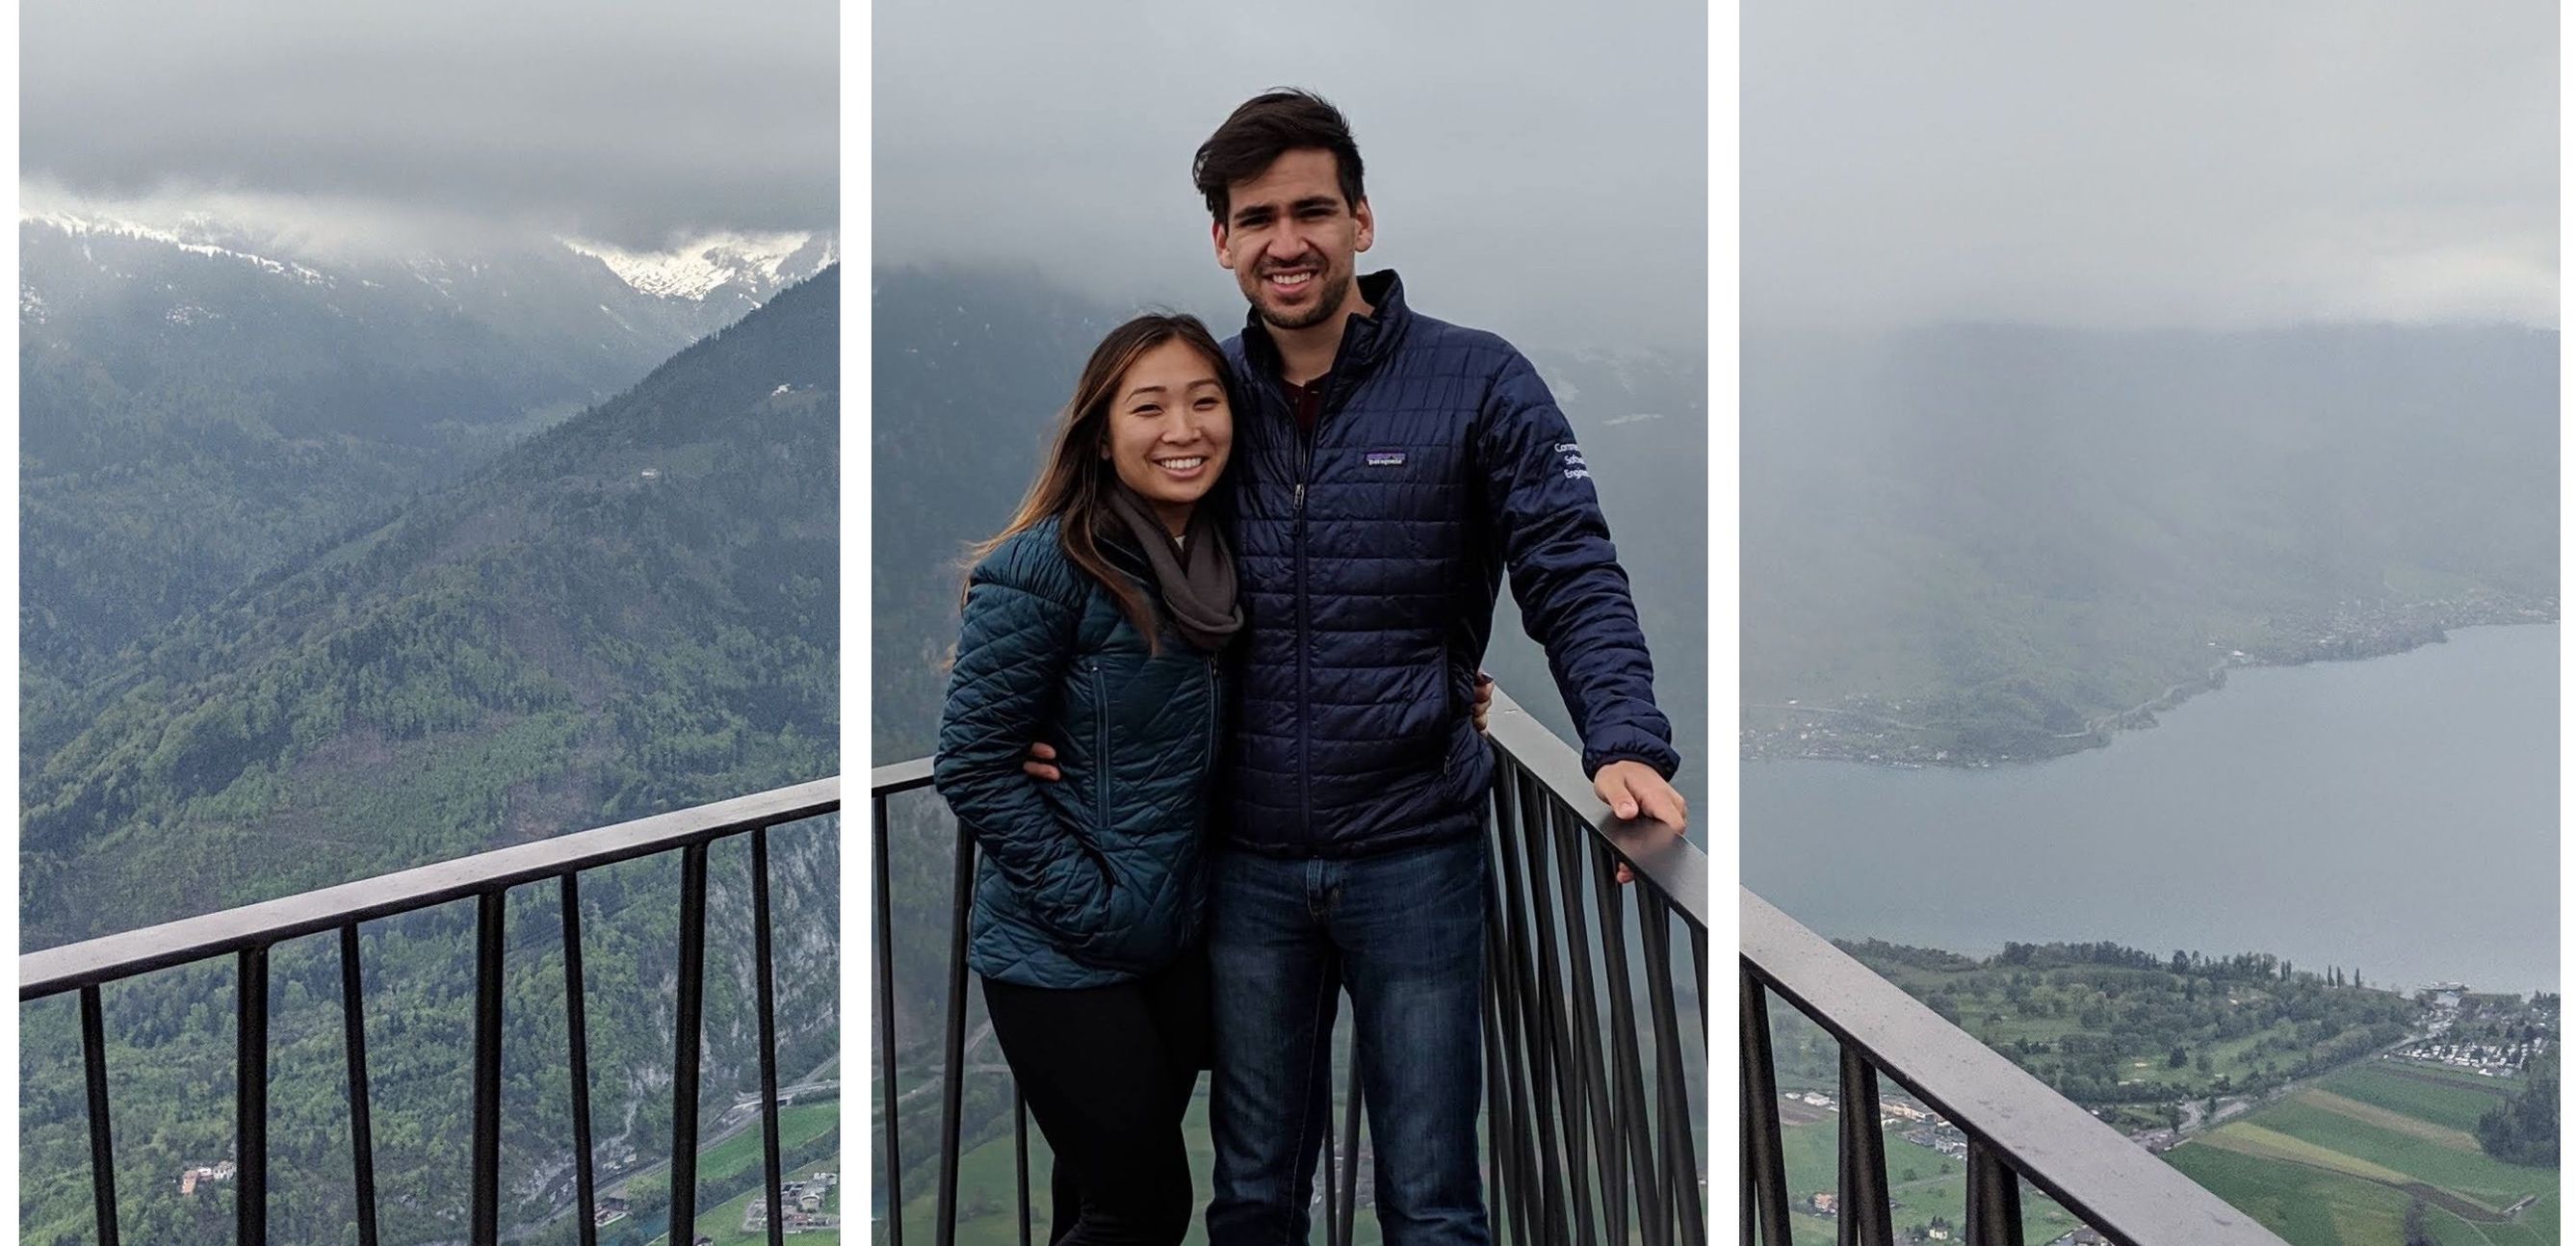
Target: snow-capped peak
760	264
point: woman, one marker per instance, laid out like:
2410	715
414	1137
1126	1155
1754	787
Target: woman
1095	623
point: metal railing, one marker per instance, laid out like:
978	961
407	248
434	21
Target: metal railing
2018	1129
249	932
1588	1104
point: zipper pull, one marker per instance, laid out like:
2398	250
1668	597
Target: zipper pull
1301	498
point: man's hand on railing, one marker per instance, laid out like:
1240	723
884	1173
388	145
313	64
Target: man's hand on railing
1632	789
1484	702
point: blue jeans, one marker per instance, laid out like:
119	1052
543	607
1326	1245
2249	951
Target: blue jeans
1405	935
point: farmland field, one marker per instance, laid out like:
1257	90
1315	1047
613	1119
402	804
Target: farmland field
1938	1186
2338	1162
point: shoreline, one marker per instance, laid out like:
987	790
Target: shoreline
1824	732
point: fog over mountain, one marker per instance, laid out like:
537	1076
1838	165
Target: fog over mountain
1535	170
640	124
203	394
2198	163
2087	353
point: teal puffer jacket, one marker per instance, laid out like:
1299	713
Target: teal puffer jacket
1098	878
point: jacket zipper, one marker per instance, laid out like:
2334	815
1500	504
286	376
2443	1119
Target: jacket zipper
1305	711
1216	715
1100	749
1305	475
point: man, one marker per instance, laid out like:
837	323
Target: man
1393	465
1389	467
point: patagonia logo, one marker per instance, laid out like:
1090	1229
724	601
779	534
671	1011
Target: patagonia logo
1386	458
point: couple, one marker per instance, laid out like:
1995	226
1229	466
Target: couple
1241	612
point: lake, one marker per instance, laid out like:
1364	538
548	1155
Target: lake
2397	815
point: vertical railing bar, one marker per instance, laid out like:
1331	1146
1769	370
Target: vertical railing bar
102	1151
486	1164
1351	1096
765	986
1994	1199
1862	1219
1020	1153
952	1101
1766	1177
1529	1062
362	1130
885	1031
687	1041
1699	982
1628	1068
1500	969
577	1030
1498	1108
1571	864
1538	834
1681	1158
1590	1115
250	1099
1551	1185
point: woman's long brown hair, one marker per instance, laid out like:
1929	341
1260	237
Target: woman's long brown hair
1073	483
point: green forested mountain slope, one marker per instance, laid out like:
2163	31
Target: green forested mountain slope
633	611
2007	536
195	412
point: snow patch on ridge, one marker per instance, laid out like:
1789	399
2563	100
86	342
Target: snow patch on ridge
85	228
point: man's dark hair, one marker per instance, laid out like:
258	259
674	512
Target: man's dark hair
1265	128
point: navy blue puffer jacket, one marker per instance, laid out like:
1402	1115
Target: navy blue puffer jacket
1101	877
1369	558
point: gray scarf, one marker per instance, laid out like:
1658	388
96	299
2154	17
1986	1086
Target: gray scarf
1196	574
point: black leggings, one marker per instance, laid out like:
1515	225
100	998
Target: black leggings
1107	1072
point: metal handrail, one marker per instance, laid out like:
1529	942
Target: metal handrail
126	954
2018	1128
1583	1146
249	932
1673	866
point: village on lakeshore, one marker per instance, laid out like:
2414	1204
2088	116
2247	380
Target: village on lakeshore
2463	1057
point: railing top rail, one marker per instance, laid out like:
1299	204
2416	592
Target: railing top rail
902	776
1667	862
2112	1183
110	957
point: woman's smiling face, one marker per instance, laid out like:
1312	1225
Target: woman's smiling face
1170	429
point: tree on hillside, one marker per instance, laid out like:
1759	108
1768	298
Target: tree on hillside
2524	1129
2416	1233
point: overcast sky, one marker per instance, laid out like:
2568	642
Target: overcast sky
1535	168
630	121
2208	162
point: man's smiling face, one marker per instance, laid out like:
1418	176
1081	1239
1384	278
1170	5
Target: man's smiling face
1292	241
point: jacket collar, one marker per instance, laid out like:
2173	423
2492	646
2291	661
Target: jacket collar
1367	341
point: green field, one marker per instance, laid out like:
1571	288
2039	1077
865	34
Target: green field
724	1224
2416	1096
797	1125
2337	1163
1939	1186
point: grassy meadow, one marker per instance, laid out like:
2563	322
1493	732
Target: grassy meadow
2338	1162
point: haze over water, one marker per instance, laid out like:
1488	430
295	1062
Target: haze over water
2396	815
